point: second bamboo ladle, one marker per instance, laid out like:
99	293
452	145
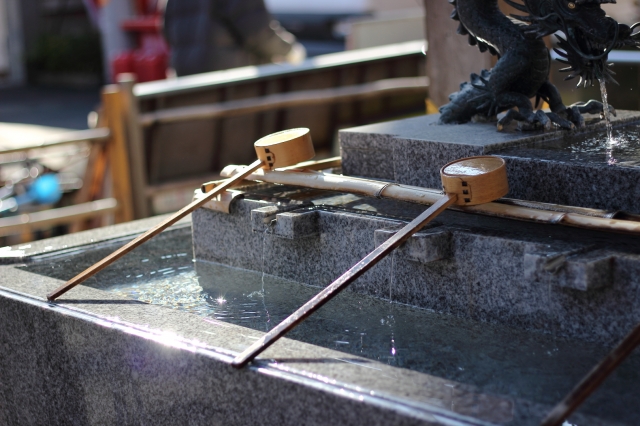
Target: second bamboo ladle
466	182
282	149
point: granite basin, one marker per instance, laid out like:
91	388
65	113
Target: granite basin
151	338
571	168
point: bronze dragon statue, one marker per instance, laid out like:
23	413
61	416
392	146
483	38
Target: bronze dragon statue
522	70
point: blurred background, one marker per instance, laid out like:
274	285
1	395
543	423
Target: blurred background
97	128
78	79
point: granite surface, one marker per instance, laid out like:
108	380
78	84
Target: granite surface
72	242
531	276
412	151
95	358
598	186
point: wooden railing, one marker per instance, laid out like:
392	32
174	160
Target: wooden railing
157	142
191	127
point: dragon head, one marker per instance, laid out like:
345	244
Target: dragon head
589	34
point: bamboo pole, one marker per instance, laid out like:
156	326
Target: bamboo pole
344	280
396	86
328	163
593	380
414	194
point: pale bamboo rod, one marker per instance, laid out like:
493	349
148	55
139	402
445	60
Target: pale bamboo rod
414	194
63	215
91	135
328	163
394	86
335	162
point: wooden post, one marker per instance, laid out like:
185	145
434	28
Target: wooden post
113	101
450	59
135	145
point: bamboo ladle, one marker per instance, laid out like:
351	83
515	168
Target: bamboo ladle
282	149
466	182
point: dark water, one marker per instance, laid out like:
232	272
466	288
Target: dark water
494	358
622	151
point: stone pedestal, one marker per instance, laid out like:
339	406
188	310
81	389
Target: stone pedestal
412	151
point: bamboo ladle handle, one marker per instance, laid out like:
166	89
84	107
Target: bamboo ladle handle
468	182
277	150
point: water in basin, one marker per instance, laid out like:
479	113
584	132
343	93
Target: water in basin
623	150
495	359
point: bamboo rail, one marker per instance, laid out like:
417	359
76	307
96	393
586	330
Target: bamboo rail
535	212
286	100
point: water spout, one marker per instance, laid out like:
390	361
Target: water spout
611	142
605	111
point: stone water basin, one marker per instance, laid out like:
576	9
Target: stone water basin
150	339
594	149
569	168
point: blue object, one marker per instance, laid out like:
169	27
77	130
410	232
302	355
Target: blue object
46	189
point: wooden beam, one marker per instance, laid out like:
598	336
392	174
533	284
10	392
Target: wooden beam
135	145
112	100
92	135
450	59
48	218
395	86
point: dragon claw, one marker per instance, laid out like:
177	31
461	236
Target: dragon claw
529	120
576	110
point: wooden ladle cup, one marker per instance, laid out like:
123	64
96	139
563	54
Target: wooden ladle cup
282	149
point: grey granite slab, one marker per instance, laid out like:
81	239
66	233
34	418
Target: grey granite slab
94	358
424	247
72	242
555	181
483	135
530	276
412	151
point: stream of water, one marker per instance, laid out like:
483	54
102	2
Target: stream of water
611	142
606	113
